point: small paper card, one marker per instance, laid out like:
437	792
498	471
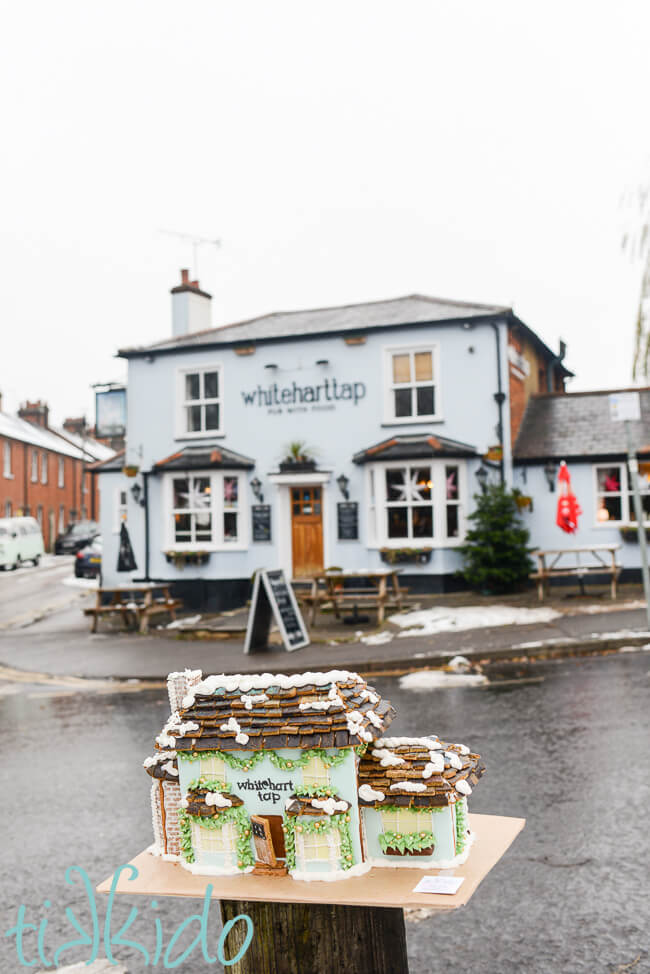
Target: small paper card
439	884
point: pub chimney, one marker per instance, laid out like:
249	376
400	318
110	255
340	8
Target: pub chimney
190	307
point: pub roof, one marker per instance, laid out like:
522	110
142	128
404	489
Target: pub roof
412	309
204	458
414	447
256	712
577	425
415	772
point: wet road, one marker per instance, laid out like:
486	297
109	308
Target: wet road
30	592
568	753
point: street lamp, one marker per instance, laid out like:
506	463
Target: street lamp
550	471
482	476
136	494
256	487
343	482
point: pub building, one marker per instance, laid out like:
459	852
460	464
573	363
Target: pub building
353	436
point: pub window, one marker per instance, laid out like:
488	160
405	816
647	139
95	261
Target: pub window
200	401
412	384
213	767
406	821
230	509
409	503
61	524
208	840
644	491
192	509
417	504
610	494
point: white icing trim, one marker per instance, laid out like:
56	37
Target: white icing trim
454	760
368	793
408	786
407	862
462	787
217	799
359	870
329	805
201	870
231	683
430	743
388	759
249	699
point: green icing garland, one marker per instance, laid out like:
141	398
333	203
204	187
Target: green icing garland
210	784
237	815
340	822
461	825
314	791
282	764
406	841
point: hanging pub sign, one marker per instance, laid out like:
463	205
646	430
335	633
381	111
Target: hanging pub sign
261	514
347	519
273	598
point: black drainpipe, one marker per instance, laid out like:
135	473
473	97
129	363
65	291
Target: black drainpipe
145	480
499	396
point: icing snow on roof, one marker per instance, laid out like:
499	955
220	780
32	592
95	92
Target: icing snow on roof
416	772
267	711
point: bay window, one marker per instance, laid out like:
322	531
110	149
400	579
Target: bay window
411	384
416	503
206	511
199	402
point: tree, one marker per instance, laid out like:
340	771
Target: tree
636	243
496	551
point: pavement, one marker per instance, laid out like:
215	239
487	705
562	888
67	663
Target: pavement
59	643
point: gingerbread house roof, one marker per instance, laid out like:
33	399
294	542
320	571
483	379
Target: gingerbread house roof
316	805
417	771
162	765
264	711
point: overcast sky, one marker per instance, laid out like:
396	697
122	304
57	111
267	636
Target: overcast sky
342	151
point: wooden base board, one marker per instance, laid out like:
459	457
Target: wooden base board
382	887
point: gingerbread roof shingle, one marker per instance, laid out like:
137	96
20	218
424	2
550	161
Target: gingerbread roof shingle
265	712
417	772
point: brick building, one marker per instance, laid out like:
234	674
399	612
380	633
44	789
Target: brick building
44	472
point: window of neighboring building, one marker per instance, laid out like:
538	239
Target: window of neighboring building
84	513
206	511
61	524
44	467
39	516
416	503
7	508
200	401
412	385
614	493
315	773
34	466
61	472
6	459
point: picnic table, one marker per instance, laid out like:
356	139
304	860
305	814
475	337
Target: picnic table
343	587
135	604
597	559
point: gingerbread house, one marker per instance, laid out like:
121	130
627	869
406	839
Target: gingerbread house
277	774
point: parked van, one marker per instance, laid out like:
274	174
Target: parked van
21	539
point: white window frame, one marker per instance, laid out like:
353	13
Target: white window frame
6	460
377	535
315	774
214	768
390	419
61	473
61	521
45	467
34	472
417	821
217	510
329	840
627	498
120	508
182	433
225	837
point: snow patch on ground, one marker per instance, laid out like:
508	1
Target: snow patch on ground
181	623
428	622
377	638
74	582
422	680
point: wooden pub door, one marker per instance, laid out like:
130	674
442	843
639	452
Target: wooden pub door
306	531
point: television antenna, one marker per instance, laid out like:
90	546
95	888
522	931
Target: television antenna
196	242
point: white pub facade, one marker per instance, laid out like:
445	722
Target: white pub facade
347	436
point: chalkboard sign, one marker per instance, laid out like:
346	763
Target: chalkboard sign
261	522
273	598
347	517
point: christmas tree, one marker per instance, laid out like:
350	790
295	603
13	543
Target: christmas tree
496	551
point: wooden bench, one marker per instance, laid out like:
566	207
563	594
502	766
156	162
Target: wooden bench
136	605
333	587
577	563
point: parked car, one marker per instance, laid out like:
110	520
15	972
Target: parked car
88	563
75	537
21	539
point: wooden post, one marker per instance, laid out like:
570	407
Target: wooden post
296	938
